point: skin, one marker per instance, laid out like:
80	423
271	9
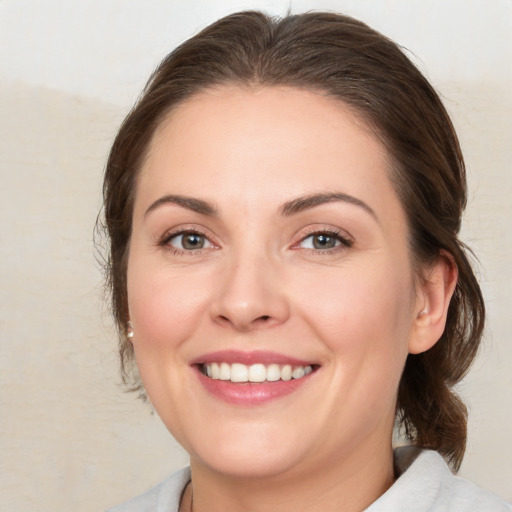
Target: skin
355	311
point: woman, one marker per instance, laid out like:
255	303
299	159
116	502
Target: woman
283	205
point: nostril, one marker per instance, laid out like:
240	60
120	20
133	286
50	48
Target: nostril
245	322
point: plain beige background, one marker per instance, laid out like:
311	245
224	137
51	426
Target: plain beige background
69	71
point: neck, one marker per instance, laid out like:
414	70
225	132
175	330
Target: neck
350	484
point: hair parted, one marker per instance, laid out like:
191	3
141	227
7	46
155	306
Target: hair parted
346	60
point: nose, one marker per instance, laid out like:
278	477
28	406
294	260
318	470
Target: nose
250	295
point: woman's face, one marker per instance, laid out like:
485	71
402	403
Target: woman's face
268	241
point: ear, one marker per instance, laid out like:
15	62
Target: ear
435	291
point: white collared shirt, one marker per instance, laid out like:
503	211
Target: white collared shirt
424	484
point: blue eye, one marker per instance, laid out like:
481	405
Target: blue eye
324	241
189	241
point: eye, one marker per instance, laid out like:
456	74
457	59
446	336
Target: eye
324	240
188	241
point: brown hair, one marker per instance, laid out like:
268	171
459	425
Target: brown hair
344	59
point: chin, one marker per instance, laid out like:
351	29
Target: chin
256	454
254	465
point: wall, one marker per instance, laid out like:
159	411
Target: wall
70	438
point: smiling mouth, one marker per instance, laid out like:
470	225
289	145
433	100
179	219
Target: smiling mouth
239	373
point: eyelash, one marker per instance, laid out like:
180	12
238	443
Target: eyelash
344	241
165	241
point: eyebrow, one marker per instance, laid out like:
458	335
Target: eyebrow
289	208
302	203
190	203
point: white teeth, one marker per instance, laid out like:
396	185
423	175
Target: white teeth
298	372
286	372
225	371
257	373
273	372
238	372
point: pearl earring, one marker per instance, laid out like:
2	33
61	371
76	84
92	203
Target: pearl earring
129	333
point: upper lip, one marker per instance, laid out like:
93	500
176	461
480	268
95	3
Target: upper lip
248	358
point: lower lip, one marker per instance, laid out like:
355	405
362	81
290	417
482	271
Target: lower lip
250	393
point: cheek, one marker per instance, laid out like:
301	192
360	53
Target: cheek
165	307
364	317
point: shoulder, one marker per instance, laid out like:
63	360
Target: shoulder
426	484
163	497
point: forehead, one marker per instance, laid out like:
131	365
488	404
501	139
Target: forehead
272	106
278	141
